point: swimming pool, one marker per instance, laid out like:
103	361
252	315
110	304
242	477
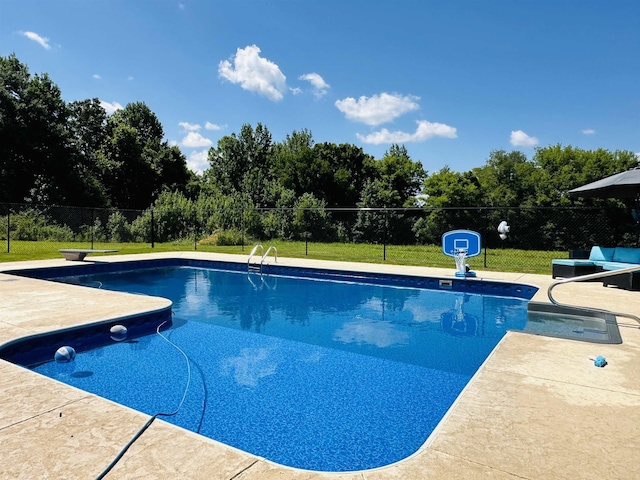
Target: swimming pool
352	376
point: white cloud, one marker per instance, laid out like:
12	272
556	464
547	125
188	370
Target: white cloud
195	140
110	107
37	38
250	366
372	332
521	139
254	73
588	131
320	87
295	90
213	126
378	108
96	76
190	127
198	161
424	131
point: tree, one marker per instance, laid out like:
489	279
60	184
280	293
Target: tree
16	165
400	174
337	173
127	178
333	173
447	188
278	223
87	122
311	218
443	190
52	152
291	158
87	126
139	116
371	222
507	179
169	166
242	163
135	164
39	162
564	168
396	182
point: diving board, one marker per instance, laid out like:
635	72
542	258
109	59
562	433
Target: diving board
78	254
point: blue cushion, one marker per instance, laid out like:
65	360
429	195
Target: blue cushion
572	262
601	254
626	255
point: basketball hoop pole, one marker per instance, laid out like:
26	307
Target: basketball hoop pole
461	256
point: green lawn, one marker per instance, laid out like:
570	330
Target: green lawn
505	260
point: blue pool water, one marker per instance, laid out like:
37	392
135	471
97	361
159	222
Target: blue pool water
314	374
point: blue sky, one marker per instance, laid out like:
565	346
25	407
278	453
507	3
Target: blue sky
451	80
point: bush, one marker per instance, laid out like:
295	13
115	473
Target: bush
311	218
173	219
96	232
271	225
141	228
32	225
118	229
224	238
279	223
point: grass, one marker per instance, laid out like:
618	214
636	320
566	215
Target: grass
503	260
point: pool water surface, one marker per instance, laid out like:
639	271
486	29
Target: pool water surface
309	373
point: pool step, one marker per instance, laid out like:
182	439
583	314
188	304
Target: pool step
572	323
254	268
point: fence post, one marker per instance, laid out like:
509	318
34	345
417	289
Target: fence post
242	225
93	225
8	230
486	236
384	238
153	237
194	221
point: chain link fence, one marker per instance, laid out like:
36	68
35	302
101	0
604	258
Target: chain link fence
400	236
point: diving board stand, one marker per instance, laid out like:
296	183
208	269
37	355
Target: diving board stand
78	254
461	244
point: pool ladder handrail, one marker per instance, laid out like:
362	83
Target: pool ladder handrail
593	276
254	265
271	247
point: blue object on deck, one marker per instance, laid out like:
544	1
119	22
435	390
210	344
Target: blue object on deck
600	361
466	274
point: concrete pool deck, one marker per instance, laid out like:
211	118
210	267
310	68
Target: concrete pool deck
537	409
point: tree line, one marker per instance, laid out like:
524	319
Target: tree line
54	152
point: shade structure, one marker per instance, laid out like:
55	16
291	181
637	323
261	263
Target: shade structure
620	185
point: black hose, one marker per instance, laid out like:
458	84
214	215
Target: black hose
150	421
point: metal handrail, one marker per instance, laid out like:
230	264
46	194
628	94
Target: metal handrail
593	276
272	247
253	252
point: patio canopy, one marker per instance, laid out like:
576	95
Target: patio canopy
620	185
